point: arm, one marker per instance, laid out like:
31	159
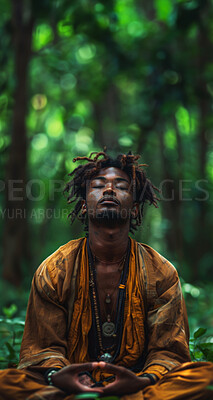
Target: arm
167	324
44	340
44	344
50	308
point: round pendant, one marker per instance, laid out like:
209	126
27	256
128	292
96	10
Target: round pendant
108	329
108	299
106	357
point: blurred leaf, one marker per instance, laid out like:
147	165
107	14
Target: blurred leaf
163	8
12	353
10	311
207	350
200	332
43	35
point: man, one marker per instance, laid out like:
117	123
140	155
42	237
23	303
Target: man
106	314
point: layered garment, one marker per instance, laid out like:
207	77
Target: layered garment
155	328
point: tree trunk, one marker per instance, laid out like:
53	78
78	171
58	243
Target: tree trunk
203	243
106	114
15	229
171	205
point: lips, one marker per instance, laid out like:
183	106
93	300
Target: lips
109	200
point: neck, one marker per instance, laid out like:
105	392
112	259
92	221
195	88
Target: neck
108	244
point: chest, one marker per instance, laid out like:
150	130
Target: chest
107	283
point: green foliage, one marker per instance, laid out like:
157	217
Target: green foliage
10	311
201	348
11	332
199	302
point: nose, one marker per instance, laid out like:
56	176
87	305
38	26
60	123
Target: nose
109	191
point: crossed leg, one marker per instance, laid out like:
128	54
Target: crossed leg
190	381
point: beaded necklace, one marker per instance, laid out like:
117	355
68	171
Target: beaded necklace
108	328
114	285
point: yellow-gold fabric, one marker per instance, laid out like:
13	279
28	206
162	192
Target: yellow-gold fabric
189	381
59	318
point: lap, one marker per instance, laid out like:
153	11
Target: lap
25	385
189	381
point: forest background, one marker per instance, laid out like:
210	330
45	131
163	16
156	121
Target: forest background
130	75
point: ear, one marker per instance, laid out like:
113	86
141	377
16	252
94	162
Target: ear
135	210
83	207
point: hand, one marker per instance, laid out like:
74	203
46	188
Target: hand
68	378
126	382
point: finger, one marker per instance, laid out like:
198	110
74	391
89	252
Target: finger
116	369
84	389
76	368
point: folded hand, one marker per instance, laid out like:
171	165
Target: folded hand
126	382
69	380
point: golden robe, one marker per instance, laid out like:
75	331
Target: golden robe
155	327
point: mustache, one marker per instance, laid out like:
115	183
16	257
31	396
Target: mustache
110	198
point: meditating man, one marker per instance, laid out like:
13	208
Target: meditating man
106	314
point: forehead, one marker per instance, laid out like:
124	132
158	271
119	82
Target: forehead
112	173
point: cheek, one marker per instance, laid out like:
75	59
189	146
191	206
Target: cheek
127	199
92	197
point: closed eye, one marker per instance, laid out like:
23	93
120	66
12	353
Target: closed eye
122	187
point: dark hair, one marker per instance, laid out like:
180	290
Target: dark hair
143	189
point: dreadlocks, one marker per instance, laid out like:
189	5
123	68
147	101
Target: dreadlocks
143	189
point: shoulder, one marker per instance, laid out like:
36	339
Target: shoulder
55	272
62	257
158	271
155	259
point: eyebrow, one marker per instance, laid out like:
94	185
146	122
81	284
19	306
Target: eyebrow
102	178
